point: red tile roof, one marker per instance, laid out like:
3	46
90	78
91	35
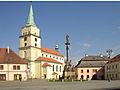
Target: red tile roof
54	73
46	64
10	58
48	60
114	59
51	51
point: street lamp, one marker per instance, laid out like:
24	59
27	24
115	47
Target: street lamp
109	52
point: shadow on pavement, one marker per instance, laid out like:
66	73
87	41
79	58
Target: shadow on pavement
107	89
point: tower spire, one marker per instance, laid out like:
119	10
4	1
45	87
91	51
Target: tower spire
30	21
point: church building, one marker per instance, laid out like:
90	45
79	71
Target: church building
43	63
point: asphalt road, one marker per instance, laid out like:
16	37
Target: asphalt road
45	85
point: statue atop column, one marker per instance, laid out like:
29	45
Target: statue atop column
68	67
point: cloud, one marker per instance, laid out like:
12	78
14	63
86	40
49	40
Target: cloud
87	45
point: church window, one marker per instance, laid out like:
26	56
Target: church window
56	68
25	38
35	44
60	68
87	70
25	44
53	68
82	71
35	39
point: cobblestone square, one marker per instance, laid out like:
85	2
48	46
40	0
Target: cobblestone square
45	85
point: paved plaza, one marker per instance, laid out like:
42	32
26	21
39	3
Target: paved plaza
45	85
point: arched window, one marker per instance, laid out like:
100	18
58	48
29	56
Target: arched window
53	68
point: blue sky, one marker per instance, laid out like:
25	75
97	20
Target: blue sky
93	27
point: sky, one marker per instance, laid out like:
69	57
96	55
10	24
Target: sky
93	27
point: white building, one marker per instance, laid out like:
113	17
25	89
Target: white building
11	65
43	62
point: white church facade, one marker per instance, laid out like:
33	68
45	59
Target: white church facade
43	63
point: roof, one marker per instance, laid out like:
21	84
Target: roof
91	64
48	60
46	65
7	56
114	59
54	73
93	61
47	50
94	58
30	21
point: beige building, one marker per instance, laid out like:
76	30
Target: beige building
44	63
91	67
12	67
112	68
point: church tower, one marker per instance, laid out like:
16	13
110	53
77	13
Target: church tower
30	42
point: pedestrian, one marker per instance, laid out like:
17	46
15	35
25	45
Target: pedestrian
20	77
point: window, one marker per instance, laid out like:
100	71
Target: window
14	67
60	68
46	55
116	66
112	75
50	56
25	38
82	76
18	67
35	44
116	75
1	67
87	76
56	57
56	68
109	67
36	39
42	54
81	71
53	68
25	44
87	70
112	66
94	70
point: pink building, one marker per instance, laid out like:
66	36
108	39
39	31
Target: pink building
91	67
